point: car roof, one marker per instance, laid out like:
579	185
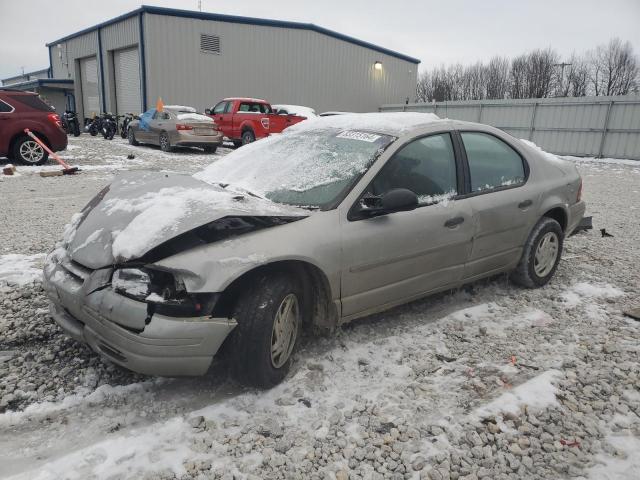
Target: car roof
244	99
388	123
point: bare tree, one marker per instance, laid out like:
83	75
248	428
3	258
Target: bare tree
575	83
518	77
614	68
497	78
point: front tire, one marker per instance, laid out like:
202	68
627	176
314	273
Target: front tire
248	137
29	152
76	129
209	149
541	254
165	144
269	316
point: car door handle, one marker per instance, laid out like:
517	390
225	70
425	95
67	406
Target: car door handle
453	222
525	204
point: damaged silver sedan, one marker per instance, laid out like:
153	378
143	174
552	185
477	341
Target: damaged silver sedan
337	218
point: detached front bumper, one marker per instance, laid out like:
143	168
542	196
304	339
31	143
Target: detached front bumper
166	346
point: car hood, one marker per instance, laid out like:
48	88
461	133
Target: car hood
141	211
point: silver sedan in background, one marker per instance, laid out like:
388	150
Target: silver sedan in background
333	220
175	126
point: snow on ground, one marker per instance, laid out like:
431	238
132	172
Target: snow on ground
491	381
18	269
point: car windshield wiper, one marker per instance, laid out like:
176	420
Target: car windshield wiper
228	186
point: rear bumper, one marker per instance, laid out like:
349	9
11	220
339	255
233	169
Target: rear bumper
576	212
187	139
58	140
167	346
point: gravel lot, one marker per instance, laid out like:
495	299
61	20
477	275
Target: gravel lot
491	381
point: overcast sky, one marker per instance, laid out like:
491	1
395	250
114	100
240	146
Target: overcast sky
435	31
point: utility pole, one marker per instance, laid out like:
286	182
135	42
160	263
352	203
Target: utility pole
200	5
562	65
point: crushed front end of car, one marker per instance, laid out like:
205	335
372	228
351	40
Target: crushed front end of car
107	289
138	317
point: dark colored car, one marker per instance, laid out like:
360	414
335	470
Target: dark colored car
20	110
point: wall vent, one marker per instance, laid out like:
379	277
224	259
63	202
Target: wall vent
209	43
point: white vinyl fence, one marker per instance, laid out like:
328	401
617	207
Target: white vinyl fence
582	126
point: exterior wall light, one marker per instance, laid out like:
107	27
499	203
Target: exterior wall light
377	65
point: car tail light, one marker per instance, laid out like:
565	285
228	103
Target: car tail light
55	118
180	126
265	123
579	197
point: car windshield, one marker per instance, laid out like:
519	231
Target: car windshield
308	168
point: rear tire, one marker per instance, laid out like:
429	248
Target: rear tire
76	129
541	255
131	137
27	151
248	137
269	316
165	144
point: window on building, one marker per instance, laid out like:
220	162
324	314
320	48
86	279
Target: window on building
492	163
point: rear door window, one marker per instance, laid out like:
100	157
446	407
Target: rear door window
254	107
5	107
492	162
32	101
426	166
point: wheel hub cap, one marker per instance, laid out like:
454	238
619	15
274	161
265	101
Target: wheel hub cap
285	330
31	151
546	254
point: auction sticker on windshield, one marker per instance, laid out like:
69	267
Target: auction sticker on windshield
355	135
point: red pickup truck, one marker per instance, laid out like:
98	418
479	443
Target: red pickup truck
244	120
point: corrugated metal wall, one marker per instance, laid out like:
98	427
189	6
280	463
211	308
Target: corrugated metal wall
584	126
282	65
65	59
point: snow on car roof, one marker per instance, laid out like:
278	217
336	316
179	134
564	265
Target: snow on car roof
181	108
194	116
393	123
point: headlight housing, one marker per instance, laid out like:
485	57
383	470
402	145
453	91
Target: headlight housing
163	292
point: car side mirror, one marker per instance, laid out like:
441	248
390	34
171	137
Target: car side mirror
207	111
395	200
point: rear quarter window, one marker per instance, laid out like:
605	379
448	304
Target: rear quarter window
5	108
32	101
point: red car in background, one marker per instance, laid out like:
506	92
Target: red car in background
244	120
20	110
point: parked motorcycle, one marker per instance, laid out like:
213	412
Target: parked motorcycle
127	118
109	126
70	123
93	125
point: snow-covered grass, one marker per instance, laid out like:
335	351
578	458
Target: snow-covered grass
537	393
17	269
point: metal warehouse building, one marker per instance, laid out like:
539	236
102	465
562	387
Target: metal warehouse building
195	58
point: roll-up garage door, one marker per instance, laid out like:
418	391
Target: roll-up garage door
126	68
89	78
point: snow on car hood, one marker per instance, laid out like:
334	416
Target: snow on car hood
141	210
